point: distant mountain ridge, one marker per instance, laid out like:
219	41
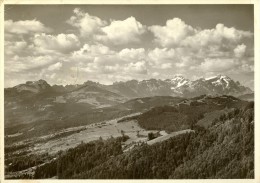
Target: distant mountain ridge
180	86
176	86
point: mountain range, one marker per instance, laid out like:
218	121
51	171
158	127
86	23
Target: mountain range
122	91
36	101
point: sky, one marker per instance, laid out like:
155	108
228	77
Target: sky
69	44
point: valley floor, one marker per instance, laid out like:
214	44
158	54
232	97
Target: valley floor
84	134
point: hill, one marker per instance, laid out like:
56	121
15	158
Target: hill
248	97
186	113
224	150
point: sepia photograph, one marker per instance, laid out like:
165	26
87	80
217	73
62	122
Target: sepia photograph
129	91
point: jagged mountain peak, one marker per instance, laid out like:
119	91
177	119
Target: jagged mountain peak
220	76
176	77
39	82
88	82
223	80
33	86
177	81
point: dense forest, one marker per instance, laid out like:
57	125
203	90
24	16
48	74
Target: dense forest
185	115
223	150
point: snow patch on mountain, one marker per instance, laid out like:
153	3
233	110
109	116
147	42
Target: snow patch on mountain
177	81
210	78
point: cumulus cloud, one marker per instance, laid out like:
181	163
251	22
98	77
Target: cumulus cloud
55	67
186	47
117	32
186	62
23	64
112	68
91	52
230	33
87	24
220	35
172	33
240	50
17	47
132	54
61	42
159	55
25	27
177	33
155	74
138	67
94	50
166	58
247	68
166	66
121	32
100	59
218	65
107	50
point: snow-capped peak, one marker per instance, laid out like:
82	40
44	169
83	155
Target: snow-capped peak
220	76
210	78
177	78
177	81
220	80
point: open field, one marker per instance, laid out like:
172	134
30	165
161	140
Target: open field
72	137
93	132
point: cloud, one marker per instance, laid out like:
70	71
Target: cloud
240	50
186	47
89	52
218	65
132	54
155	74
17	47
159	55
118	32
220	35
138	68
176	33
248	68
25	27
172	33
112	68
114	50
166	66
230	33
166	58
24	64
181	40
62	42
55	67
87	24
94	50
186	62
121	32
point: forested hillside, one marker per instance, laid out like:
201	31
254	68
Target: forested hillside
186	114
224	150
